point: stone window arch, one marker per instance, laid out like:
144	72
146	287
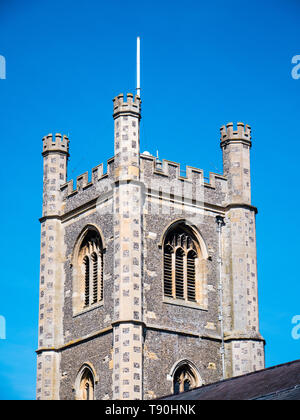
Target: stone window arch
185	377
88	271
85	384
184	266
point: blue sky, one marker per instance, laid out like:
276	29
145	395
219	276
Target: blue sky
203	64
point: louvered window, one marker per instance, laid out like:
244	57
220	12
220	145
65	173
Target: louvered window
191	276
86	262
181	272
101	276
95	277
168	272
91	255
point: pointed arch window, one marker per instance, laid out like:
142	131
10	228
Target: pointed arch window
86	386
184	266
90	265
185	379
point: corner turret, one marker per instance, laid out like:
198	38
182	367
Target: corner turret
55	153
131	106
243	133
55	158
236	162
242	338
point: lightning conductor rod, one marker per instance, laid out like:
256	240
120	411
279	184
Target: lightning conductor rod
138	67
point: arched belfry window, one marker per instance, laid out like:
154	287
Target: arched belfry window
184	266
89	276
185	377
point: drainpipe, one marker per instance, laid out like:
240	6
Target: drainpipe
220	222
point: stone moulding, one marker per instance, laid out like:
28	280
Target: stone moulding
73	343
109	329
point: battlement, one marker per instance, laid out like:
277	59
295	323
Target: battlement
243	133
58	143
82	181
130	106
173	170
151	167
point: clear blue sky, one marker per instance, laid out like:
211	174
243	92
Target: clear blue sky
203	64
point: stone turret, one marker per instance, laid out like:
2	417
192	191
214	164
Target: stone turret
55	156
128	326
244	344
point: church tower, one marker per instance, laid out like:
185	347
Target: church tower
141	294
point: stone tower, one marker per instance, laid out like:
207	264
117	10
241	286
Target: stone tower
130	270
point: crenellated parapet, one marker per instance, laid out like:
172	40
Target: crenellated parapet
57	143
236	146
55	154
172	170
228	134
82	181
130	106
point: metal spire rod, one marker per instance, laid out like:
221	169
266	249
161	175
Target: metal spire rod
138	67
